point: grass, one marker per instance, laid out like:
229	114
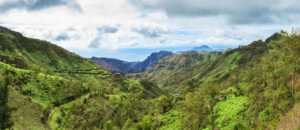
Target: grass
25	114
228	111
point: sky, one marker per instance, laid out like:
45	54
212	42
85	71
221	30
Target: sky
132	29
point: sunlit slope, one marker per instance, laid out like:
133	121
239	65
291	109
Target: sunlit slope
250	87
44	86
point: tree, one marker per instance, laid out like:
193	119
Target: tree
4	109
198	108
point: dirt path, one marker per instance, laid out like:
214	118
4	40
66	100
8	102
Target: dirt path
291	121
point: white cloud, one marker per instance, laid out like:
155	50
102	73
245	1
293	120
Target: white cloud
235	11
134	28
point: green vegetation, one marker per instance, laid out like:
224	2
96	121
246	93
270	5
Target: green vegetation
45	87
250	87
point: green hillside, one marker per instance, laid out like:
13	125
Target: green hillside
44	86
174	71
188	70
253	87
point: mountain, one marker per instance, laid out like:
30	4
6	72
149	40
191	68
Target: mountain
44	86
114	65
173	70
250	87
203	48
152	60
28	53
119	66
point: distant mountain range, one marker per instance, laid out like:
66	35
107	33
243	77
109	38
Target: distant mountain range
120	66
125	67
252	87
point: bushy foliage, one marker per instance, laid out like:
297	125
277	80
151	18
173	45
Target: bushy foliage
5	121
46	87
66	91
253	94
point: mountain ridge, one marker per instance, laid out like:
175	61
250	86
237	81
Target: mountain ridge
255	86
43	85
249	76
120	66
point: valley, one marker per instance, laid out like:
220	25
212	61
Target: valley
252	87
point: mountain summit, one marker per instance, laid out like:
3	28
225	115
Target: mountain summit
203	48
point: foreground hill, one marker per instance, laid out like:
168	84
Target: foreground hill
45	87
250	87
35	54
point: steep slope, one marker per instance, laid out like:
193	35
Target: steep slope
36	54
152	60
188	69
256	86
174	70
115	65
119	66
44	87
249	87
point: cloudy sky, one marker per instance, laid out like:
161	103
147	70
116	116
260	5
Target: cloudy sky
131	29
